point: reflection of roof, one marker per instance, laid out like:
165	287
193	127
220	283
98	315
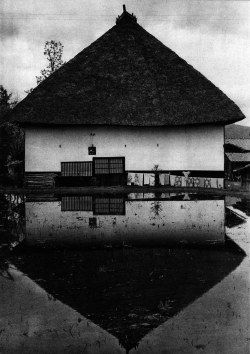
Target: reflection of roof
238	157
241	143
129	293
127	77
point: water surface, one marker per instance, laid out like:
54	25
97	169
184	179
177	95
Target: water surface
127	264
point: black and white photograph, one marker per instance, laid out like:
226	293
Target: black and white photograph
125	176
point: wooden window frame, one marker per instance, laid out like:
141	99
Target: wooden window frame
110	210
122	158
73	169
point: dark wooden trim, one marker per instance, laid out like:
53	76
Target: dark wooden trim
76	161
40	179
121	126
42	172
75	181
193	173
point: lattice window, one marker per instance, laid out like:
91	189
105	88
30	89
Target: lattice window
101	166
77	203
116	206
102	206
74	169
110	165
109	206
116	165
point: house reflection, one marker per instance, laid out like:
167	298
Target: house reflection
129	291
125	221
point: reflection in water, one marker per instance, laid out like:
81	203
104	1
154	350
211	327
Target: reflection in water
114	221
243	205
127	291
156	208
12	220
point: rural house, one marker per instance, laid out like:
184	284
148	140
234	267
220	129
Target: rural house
126	109
237	151
235	161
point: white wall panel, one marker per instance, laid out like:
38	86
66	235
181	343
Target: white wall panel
172	148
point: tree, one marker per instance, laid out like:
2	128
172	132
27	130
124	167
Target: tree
53	51
4	96
11	137
5	104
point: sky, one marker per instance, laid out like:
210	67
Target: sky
213	36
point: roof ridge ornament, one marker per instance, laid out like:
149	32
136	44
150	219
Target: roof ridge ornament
126	16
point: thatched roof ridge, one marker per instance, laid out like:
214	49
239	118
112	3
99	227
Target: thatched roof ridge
127	77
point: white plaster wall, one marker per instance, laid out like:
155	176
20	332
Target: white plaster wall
179	148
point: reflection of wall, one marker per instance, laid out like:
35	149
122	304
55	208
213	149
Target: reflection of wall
155	222
172	148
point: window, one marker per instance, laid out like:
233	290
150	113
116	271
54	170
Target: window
109	165
109	206
76	203
81	168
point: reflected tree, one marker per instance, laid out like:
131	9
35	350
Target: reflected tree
12	220
156	208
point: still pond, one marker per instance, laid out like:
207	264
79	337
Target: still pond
137	273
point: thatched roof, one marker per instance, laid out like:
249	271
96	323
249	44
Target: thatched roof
127	77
